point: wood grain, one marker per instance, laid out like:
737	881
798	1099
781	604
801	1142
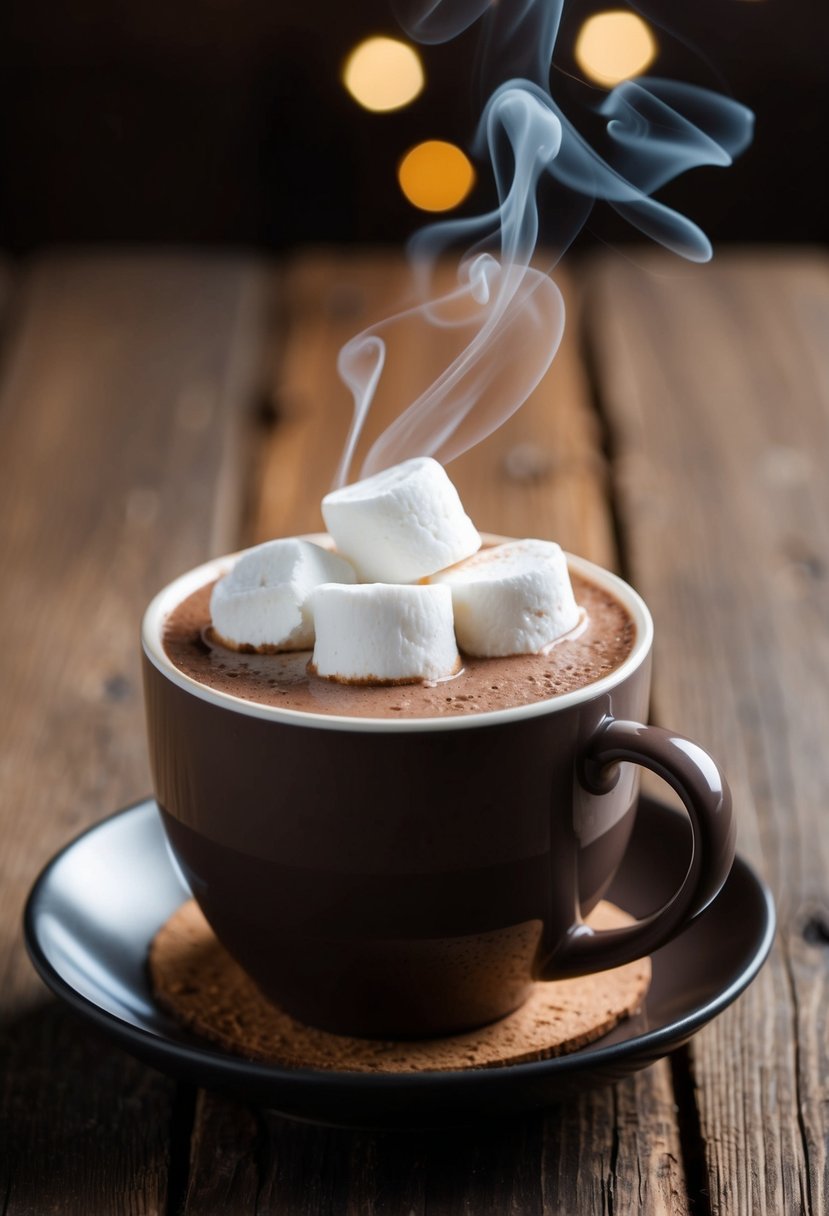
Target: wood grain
715	382
120	406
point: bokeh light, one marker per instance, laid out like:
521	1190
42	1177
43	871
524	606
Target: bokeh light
383	74
614	46
435	175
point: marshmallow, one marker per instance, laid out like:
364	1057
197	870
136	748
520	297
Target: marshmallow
383	633
262	603
401	524
515	598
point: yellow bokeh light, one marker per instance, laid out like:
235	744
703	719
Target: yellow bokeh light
435	175
383	74
614	46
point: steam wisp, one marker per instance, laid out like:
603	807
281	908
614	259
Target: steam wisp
505	316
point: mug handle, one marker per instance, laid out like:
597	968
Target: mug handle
704	791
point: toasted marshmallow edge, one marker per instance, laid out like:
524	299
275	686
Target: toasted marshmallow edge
262	602
383	633
401	524
514	598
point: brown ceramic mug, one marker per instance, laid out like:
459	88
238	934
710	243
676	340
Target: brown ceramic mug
397	878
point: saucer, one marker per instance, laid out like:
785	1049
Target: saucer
95	908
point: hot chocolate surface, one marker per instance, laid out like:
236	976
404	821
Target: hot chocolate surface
590	653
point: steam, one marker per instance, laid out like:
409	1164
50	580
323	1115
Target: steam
505	318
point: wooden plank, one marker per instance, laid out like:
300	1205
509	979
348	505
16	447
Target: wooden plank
617	1151
715	381
617	1145
611	1151
119	420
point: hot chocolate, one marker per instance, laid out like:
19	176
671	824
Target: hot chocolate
596	647
398	876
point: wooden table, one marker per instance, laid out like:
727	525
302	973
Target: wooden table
158	408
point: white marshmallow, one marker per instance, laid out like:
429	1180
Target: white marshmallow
383	633
401	524
263	601
515	598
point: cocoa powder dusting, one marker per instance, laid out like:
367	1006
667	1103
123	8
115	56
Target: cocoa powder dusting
483	684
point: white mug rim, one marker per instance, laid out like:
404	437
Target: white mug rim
185	584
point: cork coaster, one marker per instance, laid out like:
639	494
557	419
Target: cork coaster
197	981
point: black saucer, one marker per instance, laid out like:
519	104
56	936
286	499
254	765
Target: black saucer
94	909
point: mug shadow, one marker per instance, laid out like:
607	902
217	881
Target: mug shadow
530	1163
79	1117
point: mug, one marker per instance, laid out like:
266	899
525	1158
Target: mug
404	878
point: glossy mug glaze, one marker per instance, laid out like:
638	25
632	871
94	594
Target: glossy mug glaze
397	878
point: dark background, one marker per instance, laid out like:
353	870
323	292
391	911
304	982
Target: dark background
224	121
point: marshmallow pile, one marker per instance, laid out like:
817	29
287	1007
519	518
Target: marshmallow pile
406	586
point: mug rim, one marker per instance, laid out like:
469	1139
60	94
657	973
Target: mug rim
185	584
